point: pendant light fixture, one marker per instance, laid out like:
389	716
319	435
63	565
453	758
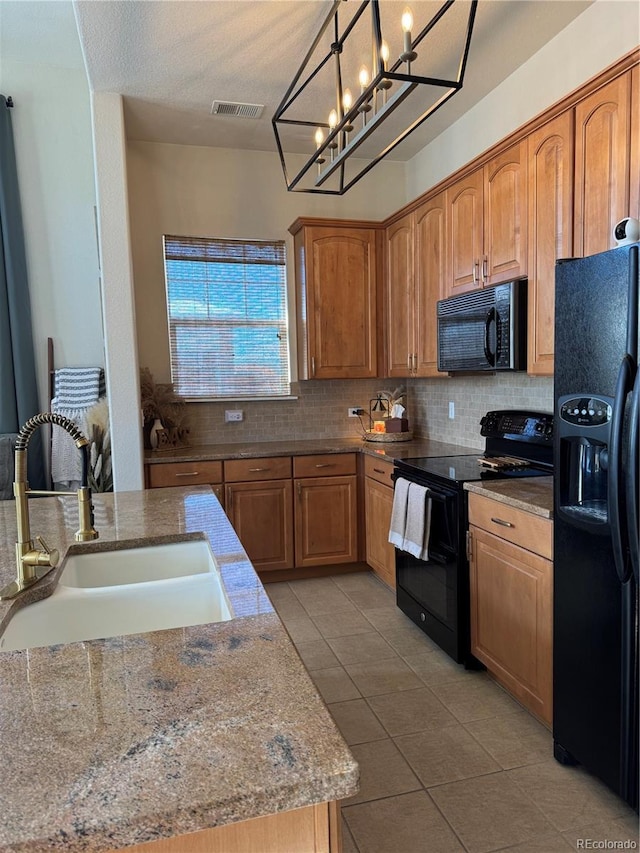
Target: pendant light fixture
327	137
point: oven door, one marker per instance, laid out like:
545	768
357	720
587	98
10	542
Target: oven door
435	593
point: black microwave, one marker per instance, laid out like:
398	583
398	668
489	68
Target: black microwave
484	329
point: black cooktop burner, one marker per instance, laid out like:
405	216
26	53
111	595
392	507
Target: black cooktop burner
463	469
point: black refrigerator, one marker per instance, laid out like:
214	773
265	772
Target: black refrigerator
595	609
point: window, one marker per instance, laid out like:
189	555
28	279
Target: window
227	309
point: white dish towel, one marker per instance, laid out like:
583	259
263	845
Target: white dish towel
399	512
418	523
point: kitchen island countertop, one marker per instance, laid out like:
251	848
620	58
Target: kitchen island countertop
533	494
115	742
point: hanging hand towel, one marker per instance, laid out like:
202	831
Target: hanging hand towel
399	512
77	389
7	448
418	526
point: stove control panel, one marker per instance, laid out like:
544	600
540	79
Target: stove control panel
535	427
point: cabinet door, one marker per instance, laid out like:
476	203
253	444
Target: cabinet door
634	170
262	515
505	216
550	223
341	271
465	210
602	166
399	297
325	521
380	554
429	281
511	621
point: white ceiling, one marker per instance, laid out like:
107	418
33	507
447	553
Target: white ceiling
171	58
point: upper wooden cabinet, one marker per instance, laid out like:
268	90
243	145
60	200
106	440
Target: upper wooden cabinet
634	171
336	279
415	262
550	223
486	223
602	177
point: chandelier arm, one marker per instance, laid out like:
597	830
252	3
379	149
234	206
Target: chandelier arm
470	23
285	106
310	52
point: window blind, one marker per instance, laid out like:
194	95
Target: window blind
227	309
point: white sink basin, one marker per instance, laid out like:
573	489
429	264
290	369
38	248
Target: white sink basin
138	565
130	591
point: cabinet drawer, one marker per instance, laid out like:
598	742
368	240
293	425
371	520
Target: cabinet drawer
264	468
515	525
184	474
379	469
328	464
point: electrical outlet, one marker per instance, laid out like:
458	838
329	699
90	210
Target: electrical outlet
354	411
452	410
233	415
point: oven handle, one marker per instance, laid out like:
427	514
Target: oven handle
437	496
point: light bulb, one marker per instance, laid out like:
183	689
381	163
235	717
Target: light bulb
333	119
363	78
407	20
347	100
319	137
384	54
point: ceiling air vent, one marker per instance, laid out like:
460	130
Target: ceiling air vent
231	108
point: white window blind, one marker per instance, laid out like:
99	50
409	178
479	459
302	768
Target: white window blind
227	308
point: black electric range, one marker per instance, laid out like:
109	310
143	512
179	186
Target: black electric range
434	592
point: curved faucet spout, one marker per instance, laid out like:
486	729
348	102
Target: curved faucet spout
34	563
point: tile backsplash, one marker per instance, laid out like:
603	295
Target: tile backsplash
320	409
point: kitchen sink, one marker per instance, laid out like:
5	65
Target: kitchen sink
128	591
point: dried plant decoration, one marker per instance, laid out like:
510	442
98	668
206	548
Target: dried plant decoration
159	400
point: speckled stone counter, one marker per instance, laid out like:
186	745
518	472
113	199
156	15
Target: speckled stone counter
390	450
533	495
109	743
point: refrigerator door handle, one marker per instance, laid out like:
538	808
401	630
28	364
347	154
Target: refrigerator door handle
615	496
631	466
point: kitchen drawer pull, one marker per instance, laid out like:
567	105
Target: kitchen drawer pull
187	474
379	471
502	523
256	470
325	464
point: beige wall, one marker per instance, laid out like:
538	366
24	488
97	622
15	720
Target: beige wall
187	190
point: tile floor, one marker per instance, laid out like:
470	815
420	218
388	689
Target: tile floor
448	761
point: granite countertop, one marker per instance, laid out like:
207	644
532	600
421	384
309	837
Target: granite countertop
533	494
109	743
391	450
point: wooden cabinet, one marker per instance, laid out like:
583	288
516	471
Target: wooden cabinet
550	222
336	296
310	829
414	281
400	297
511	576
634	170
325	510
378	500
486	223
602	177
258	501
206	472
465	240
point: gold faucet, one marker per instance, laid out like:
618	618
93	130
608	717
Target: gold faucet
34	563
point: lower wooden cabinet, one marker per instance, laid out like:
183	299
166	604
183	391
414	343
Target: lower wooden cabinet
378	504
261	515
511	600
311	829
326	520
